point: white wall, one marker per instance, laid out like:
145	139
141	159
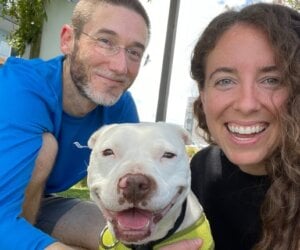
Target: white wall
59	12
5	49
6	25
145	89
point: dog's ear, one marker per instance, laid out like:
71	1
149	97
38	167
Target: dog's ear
185	135
92	140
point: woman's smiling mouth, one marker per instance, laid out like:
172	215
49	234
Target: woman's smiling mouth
246	130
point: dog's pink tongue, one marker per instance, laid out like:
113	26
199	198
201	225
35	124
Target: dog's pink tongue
134	219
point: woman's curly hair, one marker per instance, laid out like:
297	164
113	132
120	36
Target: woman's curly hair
280	211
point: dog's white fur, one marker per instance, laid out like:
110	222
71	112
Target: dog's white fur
155	150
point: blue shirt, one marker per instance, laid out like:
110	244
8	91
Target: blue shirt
31	104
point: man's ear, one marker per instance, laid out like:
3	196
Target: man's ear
67	37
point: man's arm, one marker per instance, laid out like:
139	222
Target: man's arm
28	112
43	166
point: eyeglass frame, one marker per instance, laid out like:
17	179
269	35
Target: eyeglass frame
113	49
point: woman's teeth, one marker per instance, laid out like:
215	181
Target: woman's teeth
245	130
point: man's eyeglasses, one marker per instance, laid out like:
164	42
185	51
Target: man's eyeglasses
109	48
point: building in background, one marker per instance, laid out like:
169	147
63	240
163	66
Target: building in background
6	26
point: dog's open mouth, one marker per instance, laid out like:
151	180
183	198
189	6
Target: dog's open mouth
135	224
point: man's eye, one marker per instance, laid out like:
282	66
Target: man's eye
104	42
107	152
135	53
168	155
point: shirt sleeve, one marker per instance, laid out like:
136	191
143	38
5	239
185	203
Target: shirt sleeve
25	114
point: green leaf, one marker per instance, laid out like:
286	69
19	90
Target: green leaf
29	15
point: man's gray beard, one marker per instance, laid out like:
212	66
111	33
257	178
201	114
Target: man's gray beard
80	80
100	99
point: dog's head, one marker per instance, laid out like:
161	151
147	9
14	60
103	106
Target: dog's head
139	176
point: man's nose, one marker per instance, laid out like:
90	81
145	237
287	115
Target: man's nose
119	62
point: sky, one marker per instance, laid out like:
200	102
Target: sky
194	15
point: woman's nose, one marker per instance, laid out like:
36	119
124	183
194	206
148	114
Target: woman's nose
247	98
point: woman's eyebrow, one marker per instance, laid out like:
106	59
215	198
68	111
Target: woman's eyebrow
222	69
265	69
268	69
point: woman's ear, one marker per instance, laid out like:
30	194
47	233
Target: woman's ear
67	37
202	97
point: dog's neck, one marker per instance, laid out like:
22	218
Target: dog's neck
193	211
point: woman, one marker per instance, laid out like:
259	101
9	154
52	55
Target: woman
247	68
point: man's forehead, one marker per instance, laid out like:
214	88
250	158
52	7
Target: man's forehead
119	21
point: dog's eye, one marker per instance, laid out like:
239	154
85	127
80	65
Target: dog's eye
168	155
107	152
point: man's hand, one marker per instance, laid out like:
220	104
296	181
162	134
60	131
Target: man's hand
61	246
194	244
58	246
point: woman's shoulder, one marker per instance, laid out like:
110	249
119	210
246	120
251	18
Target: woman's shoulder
206	168
207	163
209	153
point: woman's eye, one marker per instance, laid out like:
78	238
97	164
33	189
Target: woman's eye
224	82
107	152
168	155
272	81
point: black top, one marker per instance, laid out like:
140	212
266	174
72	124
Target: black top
231	199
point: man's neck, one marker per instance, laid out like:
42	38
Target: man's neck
74	103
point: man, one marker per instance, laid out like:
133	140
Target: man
49	110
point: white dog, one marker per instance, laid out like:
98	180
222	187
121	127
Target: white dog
139	176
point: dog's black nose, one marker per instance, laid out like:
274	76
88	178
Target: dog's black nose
135	187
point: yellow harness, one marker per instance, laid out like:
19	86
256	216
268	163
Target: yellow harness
200	229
